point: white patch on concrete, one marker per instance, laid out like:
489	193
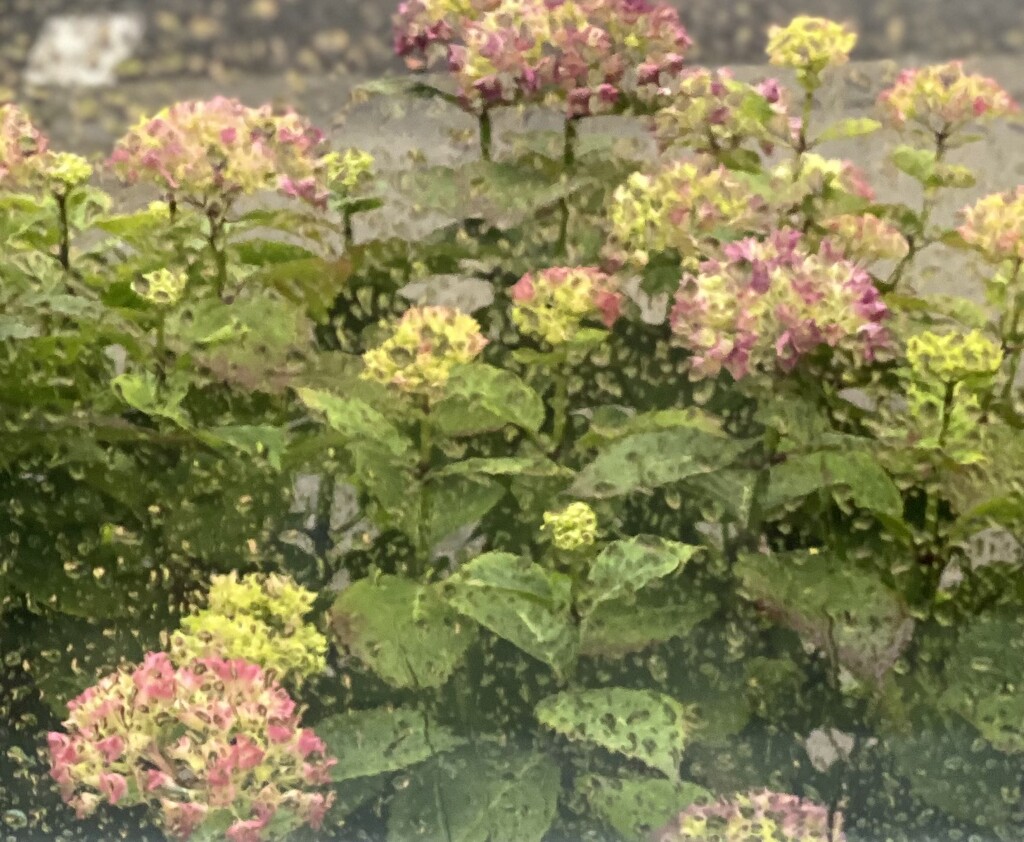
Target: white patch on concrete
76	51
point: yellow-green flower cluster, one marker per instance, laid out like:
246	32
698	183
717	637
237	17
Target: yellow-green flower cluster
713	112
347	170
813	175
866	237
954	357
427	343
680	208
994	226
943	98
162	287
573	528
258	619
553	303
948	374
810	45
64	171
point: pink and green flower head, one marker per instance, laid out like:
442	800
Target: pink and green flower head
21	146
767	304
994	226
553	304
713	112
424	347
213	740
865	237
684	206
762	816
943	98
201	152
810	45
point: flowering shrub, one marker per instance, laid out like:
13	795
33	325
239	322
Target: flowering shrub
213	743
698	491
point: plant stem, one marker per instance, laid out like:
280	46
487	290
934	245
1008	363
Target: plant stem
569	139
346	221
803	143
426	449
215	238
64	226
756	518
560	407
484	120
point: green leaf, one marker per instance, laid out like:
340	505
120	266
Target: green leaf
371	742
612	630
486	794
839	608
921	165
356	419
648	460
261	252
635	807
626	566
850	127
480	397
401	630
530	466
147	394
259	441
743	160
642	724
390	86
856	471
454	501
608	423
520	602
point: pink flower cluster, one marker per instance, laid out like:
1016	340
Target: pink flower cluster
587	54
552	303
21	145
214	740
754	817
772	302
710	111
220	149
943	98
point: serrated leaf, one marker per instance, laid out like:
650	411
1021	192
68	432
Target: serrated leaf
641	724
454	501
520	602
611	630
646	461
146	393
486	794
480	397
850	127
634	806
624	567
261	441
355	419
847	612
608	423
531	466
371	742
858	472
401	630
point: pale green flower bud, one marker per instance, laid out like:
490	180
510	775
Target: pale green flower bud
572	528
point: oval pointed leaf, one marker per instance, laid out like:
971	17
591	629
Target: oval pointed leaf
635	807
487	794
649	460
480	397
371	742
355	418
520	602
626	566
401	630
642	724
